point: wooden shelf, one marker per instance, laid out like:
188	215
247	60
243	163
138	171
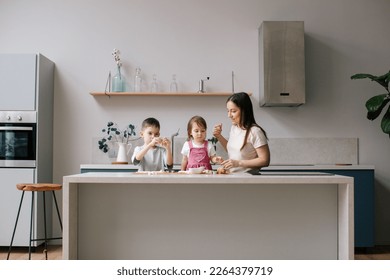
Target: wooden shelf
162	94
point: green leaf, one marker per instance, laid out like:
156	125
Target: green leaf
385	124
362	76
382	80
375	105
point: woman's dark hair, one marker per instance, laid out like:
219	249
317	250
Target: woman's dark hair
247	119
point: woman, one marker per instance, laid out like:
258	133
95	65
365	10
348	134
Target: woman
247	146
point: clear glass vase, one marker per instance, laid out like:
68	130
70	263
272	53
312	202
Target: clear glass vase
118	82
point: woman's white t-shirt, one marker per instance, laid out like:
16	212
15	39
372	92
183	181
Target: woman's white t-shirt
256	139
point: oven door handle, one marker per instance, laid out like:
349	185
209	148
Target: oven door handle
16	128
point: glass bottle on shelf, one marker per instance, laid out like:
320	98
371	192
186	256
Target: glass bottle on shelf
154	85
138	80
118	81
173	86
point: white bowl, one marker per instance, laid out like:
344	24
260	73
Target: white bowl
196	170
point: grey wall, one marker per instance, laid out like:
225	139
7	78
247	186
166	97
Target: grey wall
198	38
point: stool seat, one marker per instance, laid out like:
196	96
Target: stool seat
40	187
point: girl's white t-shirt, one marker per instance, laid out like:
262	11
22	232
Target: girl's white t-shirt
185	151
256	139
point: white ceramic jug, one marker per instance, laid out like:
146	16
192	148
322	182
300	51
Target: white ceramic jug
123	152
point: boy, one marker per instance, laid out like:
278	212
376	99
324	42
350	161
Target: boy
156	153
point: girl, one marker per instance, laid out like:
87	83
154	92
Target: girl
247	145
196	151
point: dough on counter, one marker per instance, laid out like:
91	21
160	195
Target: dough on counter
222	170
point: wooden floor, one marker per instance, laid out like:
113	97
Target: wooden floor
375	253
55	253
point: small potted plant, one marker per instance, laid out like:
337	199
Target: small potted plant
213	141
112	136
377	103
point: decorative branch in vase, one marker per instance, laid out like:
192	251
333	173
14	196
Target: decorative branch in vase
118	81
214	141
115	136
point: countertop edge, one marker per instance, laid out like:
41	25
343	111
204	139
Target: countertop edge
242	178
271	167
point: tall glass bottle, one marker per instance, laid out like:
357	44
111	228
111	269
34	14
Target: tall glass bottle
173	86
138	80
154	84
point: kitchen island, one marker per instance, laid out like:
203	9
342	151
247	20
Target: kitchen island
126	215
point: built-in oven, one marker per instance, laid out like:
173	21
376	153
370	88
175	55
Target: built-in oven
18	139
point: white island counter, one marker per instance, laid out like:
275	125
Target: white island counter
180	216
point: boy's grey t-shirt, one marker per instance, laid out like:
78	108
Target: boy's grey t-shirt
154	159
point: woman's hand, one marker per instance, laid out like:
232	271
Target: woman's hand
230	163
217	131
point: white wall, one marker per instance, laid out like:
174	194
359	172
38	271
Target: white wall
198	38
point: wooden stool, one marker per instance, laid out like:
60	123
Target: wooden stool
41	187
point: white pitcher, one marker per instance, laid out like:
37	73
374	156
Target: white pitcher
123	152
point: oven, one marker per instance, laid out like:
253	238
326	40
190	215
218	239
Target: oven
18	139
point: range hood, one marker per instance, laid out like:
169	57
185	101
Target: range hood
282	63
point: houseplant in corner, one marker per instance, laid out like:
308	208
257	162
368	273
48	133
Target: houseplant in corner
120	137
377	103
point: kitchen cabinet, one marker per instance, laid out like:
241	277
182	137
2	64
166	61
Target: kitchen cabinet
363	197
9	203
17	82
184	216
363	191
27	85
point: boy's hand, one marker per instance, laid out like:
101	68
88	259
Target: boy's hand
155	141
165	143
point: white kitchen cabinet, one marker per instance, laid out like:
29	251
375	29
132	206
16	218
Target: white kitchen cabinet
9	203
183	216
18	82
27	84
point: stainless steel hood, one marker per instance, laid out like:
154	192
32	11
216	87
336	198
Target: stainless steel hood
282	63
